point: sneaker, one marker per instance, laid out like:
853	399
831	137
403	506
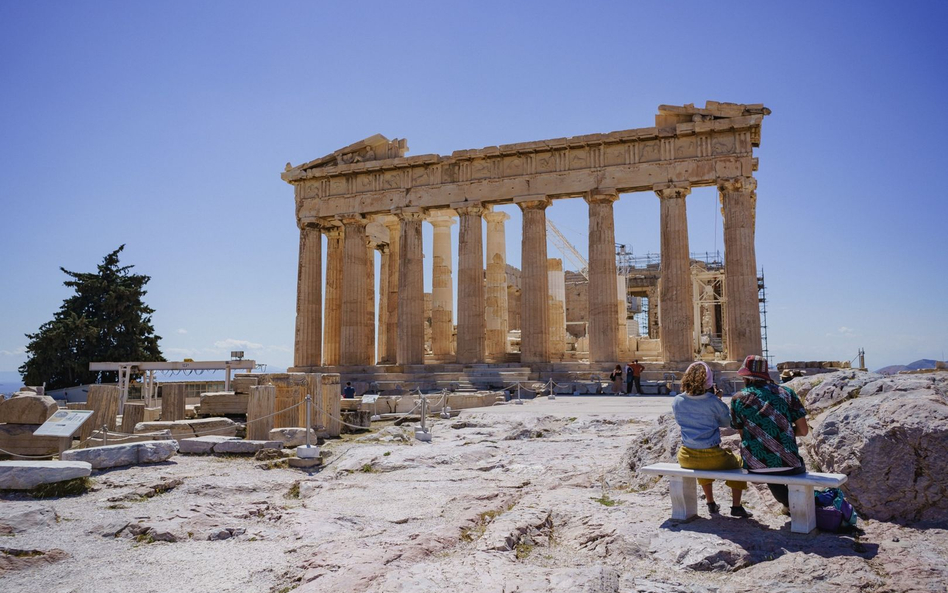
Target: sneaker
740	512
713	507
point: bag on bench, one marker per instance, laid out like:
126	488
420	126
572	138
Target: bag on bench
833	511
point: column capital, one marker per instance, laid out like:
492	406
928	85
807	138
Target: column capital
496	217
333	232
466	209
311	222
668	191
737	185
352	219
441	219
409	214
601	196
533	202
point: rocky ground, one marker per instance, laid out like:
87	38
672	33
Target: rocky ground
515	498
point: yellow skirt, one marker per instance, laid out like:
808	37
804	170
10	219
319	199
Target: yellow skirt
713	458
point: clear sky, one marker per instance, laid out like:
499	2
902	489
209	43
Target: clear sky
165	126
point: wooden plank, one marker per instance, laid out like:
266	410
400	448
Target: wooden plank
173	402
103	400
261	405
819	480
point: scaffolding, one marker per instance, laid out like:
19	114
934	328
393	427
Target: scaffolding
762	299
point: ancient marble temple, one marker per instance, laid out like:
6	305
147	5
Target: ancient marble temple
370	197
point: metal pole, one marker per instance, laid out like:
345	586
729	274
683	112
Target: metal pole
309	416
105	435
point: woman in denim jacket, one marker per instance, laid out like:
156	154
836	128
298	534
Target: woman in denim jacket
700	413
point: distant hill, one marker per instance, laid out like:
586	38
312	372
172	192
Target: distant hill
925	363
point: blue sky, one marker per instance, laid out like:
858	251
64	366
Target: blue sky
165	126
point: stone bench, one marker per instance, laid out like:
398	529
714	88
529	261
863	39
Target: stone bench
684	490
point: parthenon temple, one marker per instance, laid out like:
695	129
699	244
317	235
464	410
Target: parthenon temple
370	197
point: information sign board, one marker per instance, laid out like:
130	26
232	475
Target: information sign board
63	423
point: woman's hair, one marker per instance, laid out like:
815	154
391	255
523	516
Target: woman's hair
695	379
618	367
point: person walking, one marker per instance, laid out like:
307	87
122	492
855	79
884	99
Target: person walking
770	417
616	377
700	414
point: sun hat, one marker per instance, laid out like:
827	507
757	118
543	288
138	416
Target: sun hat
756	367
708	374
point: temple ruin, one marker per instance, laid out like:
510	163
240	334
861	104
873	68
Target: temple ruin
370	197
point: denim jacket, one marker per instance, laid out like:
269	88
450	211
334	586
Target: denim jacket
700	418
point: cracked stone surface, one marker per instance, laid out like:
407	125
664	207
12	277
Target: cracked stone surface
537	498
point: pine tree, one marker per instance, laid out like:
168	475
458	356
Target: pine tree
105	320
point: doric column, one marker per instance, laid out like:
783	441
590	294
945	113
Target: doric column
309	297
623	316
411	289
534	312
333	321
383	302
391	331
495	293
471	321
675	287
352	348
442	286
370	302
603	330
740	267
557	303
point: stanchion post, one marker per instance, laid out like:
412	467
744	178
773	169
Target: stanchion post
309	416
105	435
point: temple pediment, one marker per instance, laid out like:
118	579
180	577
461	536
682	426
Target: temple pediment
373	148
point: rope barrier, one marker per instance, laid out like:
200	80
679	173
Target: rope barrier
27	456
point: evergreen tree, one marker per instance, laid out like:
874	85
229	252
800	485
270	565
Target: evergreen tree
106	320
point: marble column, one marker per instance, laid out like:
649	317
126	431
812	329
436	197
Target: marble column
411	289
603	330
623	317
391	331
309	297
495	292
471	320
557	286
442	286
352	347
675	287
383	302
333	320
370	302
534	309
740	267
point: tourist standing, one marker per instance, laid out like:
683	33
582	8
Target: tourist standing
637	375
616	377
770	417
349	392
700	414
629	378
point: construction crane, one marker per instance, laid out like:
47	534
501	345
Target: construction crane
568	251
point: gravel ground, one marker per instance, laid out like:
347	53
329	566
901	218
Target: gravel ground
514	498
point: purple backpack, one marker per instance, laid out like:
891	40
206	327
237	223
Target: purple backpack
833	511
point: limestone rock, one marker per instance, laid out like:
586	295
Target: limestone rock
202	445
833	389
19	439
27	409
26	475
891	442
18	517
123	454
185	429
238	447
659	443
292	437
